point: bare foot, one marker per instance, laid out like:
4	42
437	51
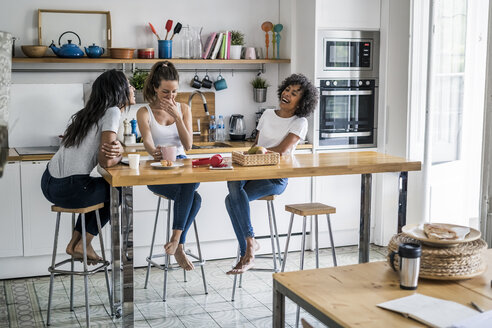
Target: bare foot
92	257
182	259
245	263
171	247
76	236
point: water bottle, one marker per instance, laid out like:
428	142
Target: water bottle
211	129
219	132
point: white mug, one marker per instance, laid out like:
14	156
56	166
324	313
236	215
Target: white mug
134	161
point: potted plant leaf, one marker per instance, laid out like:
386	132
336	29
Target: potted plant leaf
138	81
260	86
237	42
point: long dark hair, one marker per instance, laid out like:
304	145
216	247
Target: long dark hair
110	89
161	71
310	94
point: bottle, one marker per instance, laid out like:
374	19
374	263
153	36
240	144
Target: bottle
211	129
186	42
219	132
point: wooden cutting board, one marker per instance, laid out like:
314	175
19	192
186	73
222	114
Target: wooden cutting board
197	110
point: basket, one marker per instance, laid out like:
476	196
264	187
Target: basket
245	159
445	263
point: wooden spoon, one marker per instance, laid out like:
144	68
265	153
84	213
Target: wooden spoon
267	27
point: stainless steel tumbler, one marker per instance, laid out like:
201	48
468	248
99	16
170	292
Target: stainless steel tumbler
409	259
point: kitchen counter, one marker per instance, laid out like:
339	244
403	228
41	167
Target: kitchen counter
199	147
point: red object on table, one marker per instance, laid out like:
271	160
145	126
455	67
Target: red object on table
215	161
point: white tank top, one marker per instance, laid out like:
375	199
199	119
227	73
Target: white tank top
165	135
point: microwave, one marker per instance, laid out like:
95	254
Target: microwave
347	54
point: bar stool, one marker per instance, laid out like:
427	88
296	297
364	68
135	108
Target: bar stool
276	255
309	209
85	272
166	266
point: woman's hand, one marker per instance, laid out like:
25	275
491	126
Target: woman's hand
113	149
170	107
157	154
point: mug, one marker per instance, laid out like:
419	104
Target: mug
169	153
409	258
195	83
165	49
221	83
133	161
206	83
250	53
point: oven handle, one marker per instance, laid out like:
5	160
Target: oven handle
346	134
347	93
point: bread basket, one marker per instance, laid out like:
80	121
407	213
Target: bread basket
245	159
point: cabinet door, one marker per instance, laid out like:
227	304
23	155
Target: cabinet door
11	212
39	221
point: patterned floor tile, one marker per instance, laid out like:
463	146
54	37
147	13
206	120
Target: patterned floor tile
230	318
199	320
155	310
166	322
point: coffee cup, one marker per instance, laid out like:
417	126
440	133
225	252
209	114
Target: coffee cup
195	83
134	161
220	83
409	260
206	82
169	153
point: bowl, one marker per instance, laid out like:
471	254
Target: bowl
34	51
121	53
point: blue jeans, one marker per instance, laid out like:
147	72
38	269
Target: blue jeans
187	202
237	204
79	191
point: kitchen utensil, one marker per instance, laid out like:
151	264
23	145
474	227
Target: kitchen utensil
121	53
94	51
34	51
154	31
214	161
68	50
277	29
165	49
409	259
145	53
177	29
169	25
267	27
237	128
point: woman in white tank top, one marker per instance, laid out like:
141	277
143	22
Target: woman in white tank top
165	122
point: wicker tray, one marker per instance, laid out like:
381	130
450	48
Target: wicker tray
451	263
245	159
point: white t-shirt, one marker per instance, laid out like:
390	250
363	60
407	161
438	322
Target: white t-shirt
82	159
273	129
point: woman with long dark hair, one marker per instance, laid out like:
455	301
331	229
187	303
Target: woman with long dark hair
89	139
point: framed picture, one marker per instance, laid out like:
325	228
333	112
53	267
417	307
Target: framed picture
92	27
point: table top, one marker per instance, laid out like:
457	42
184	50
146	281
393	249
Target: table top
349	294
299	165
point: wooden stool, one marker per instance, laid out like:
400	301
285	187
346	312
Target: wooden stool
308	209
166	267
104	264
273	239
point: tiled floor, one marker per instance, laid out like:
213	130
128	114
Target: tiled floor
23	302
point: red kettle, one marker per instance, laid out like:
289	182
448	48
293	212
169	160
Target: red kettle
215	161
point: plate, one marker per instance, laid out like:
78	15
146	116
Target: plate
158	165
416	231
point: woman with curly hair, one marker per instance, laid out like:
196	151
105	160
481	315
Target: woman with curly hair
279	130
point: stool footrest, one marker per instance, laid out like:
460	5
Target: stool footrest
173	266
77	273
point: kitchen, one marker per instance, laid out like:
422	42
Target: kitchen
24	247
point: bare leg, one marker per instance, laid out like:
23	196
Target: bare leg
182	259
247	261
172	245
76	236
92	256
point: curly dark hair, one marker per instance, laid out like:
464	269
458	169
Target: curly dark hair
310	94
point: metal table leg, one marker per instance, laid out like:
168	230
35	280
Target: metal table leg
402	200
278	307
127	256
115	251
365	217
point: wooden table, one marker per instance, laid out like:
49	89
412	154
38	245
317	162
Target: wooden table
301	165
347	296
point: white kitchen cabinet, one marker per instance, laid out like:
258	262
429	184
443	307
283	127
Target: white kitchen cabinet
348	14
10	213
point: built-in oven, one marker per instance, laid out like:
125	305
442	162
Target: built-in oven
348	113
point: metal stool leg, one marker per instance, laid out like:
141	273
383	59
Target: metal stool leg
200	258
149	265
272	239
103	253
235	276
72	268
53	261
298	312
240	281
86	277
284	260
316	241
276	232
184	271
331	239
168	236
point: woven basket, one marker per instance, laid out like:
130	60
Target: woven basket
463	261
270	158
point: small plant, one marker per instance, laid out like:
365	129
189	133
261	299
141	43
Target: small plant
237	38
259	83
138	79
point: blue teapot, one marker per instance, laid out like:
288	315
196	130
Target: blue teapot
68	50
94	51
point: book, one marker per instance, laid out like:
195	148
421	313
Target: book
217	46
214	42
223	46
228	45
208	45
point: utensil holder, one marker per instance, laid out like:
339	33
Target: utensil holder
165	49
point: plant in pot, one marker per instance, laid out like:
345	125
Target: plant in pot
260	86
138	81
237	42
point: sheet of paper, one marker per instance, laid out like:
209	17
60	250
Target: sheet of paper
481	320
432	311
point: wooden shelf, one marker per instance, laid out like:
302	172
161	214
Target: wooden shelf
106	60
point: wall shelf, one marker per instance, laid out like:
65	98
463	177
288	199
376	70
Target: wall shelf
106	60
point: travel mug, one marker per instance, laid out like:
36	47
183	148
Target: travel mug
165	49
409	255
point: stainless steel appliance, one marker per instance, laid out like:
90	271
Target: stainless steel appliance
237	127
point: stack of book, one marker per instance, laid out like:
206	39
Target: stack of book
217	46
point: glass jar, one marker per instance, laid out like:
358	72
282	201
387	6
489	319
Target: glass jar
186	47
